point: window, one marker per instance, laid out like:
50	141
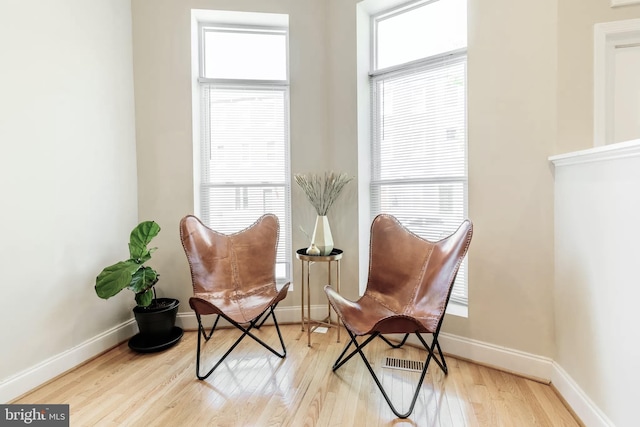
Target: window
419	130
244	129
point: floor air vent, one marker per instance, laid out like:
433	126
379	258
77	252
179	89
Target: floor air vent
403	364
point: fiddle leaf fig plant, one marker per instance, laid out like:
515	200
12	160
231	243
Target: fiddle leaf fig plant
132	273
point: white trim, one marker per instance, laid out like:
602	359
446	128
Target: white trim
598	154
227	17
22	382
539	368
455	308
25	381
375	7
502	358
618	3
576	398
243	82
603	36
529	365
510	360
364	29
419	63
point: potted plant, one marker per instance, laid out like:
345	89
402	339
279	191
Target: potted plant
155	316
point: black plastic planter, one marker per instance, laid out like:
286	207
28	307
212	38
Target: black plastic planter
156	324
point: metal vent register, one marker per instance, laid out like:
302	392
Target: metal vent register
403	364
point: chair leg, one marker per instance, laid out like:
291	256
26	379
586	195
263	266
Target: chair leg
202	330
435	345
202	334
258	340
443	366
264	316
339	362
342	360
245	332
358	349
404	340
275	322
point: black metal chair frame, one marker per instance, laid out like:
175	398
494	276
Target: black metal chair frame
254	324
435	345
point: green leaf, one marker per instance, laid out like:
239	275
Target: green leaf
140	237
143	280
115	278
145	298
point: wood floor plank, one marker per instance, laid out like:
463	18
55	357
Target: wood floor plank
255	388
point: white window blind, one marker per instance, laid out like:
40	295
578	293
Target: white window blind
244	167
419	141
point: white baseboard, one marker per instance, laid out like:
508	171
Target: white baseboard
576	398
19	384
537	367
506	359
503	358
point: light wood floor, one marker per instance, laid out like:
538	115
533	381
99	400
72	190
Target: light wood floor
255	388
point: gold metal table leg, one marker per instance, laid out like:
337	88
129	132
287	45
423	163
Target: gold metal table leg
338	289
302	297
308	306
329	283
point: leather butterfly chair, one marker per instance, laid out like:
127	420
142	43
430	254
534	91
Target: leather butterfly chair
408	289
233	277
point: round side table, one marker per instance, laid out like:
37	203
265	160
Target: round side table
334	257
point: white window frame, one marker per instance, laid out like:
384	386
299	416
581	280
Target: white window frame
237	22
375	74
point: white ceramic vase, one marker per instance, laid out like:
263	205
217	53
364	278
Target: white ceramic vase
322	235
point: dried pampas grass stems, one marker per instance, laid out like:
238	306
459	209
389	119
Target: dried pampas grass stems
322	190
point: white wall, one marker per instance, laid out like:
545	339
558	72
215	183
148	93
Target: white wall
597	206
68	181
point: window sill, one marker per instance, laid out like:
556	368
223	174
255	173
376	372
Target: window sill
457	309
